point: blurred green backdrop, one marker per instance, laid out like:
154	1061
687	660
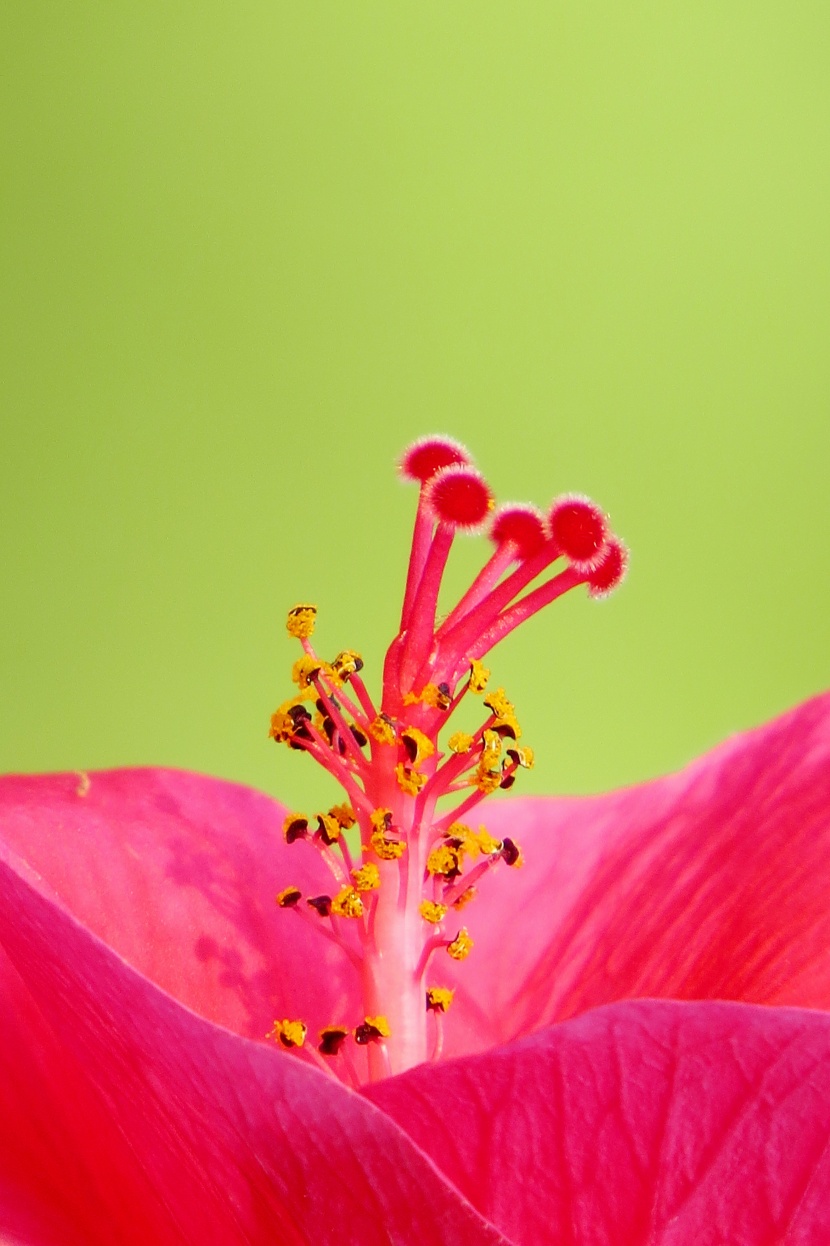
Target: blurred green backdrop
249	250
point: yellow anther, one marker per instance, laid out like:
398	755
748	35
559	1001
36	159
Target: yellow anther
347	903
433	695
504	712
479	675
366	877
382	729
461	902
487	844
485	780
294	827
282	727
409	781
347	663
301	620
381	819
284	724
460	742
328	827
418	746
288	898
371	1029
465	838
304	670
490	748
461	945
289	1033
498	703
445	861
439	998
432	912
344	815
522	756
387	849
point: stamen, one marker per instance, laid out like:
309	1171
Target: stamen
289	1033
332	1038
371	1030
461	945
295	827
321	905
432	912
301	620
347	903
439	998
289	897
367	877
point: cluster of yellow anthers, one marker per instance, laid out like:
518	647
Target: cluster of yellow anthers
458	856
407	853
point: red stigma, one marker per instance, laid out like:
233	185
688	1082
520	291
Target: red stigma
429	455
522	525
611	570
580	530
460	496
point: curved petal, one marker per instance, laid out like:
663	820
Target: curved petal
640	1122
708	884
178	873
163	1128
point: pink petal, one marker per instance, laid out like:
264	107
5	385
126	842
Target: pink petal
638	1123
709	884
128	1119
178	874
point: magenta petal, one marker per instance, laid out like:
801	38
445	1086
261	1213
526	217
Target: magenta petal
641	1122
178	874
709	884
151	1125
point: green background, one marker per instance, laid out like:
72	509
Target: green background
250	250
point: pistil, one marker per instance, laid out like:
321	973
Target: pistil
409	869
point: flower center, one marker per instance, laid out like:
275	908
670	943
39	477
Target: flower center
411	777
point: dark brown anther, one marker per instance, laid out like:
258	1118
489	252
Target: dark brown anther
366	1032
328	828
295	828
300	717
289	898
509	851
332	1039
322	904
360	738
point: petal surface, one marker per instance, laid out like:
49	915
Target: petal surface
178	873
708	884
128	1119
639	1124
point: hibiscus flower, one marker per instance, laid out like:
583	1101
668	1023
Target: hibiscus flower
621	1042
